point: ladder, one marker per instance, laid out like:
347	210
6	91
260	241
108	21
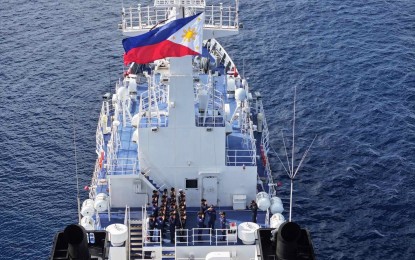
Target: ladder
136	239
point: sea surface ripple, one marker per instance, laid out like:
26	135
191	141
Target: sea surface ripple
353	65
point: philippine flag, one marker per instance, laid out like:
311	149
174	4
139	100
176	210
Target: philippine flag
178	38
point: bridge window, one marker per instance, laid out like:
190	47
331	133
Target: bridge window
191	183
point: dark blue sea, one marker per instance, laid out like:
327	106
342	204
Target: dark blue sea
353	63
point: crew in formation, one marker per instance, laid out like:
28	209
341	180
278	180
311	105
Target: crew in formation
168	214
169	211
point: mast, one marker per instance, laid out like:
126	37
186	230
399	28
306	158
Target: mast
292	174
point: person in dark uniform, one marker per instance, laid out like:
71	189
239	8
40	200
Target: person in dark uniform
155	210
182	196
163	206
223	223
151	226
182	205
172	193
211	217
173	207
163	199
160	227
166	194
183	226
172	226
173	200
254	208
200	224
155	197
203	207
162	212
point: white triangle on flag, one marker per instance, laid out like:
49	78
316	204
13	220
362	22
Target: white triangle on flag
190	35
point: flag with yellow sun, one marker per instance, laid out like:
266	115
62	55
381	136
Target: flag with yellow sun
190	35
178	38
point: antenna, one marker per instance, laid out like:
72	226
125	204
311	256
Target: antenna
286	154
76	171
293	172
292	155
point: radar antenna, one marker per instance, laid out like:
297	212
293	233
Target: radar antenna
293	173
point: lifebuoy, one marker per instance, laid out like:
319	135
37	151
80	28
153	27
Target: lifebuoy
233	71
263	157
101	159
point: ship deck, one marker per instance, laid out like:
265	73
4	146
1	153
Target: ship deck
239	151
117	216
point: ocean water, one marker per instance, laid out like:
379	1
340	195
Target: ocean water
352	62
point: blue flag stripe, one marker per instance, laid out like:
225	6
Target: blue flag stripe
157	35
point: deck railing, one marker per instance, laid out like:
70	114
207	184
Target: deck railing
189	3
205	235
94	181
146	17
240	157
113	145
151	237
181	234
99	133
127	220
123	166
213	114
153	107
265	145
223	236
210	120
219	52
221	17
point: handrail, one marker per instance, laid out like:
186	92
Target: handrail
127	223
248	157
266	147
178	236
144	223
217	50
146	17
213	114
99	133
156	178
146	238
154	105
94	180
195	234
225	236
187	3
129	166
210	121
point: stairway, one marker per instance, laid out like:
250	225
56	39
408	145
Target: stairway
136	239
153	185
